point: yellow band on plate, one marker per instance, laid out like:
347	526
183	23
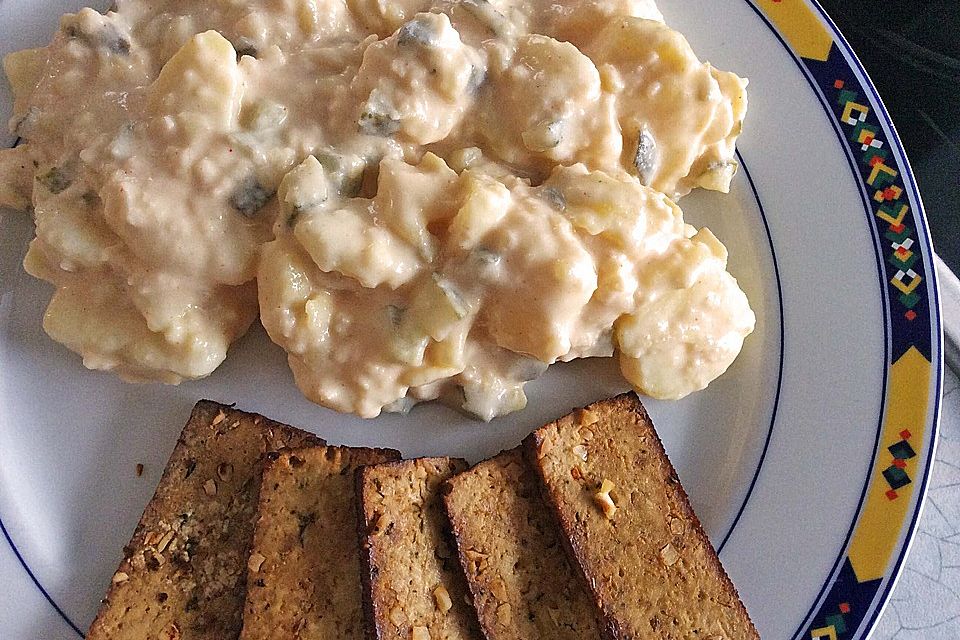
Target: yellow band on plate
885	511
803	29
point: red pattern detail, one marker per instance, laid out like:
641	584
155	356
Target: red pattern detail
889	194
875	160
905	434
837	84
844	607
891	495
910	315
896	228
900	464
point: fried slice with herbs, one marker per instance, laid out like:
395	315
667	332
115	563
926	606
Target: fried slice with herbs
629	526
304	566
184	571
412	582
522	584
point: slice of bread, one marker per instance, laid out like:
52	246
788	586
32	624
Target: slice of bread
184	571
412	583
630	528
522	583
304	566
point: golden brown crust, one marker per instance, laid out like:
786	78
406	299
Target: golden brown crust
304	568
184	571
412	581
620	504
522	583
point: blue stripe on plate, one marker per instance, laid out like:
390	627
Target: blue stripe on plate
934	333
33	578
776	398
919	220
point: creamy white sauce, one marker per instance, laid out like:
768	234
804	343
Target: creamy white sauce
422	199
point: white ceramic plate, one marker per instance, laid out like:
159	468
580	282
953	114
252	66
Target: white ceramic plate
806	462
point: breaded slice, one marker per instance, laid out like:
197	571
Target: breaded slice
522	583
304	566
183	574
413	584
630	528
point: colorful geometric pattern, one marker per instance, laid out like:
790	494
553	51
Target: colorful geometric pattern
896	474
836	624
883	179
876	542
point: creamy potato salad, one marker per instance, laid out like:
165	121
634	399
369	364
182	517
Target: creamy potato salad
420	198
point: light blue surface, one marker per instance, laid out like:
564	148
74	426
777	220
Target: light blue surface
925	604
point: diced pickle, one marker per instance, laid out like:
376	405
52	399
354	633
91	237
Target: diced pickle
437	307
245	47
344	171
555	197
718	175
492	19
56	180
543	137
395	315
378	118
645	159
486	256
478	76
265	115
452	296
250	196
372	123
23	126
105	35
400	405
417	32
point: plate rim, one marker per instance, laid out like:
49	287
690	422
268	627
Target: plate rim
907	530
907	526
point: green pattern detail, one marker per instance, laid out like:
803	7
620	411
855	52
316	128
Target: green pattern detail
892	235
896	477
862	126
902	264
901	450
909	300
882	180
846	96
872	153
836	620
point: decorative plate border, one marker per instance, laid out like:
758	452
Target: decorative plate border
868	566
855	592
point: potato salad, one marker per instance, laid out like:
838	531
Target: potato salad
421	199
